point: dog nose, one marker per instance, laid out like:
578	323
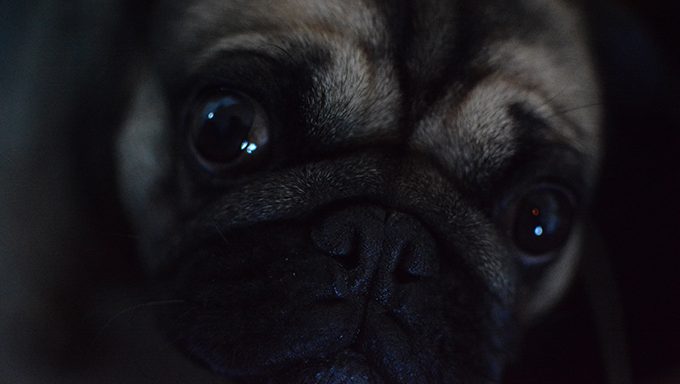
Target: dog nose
380	249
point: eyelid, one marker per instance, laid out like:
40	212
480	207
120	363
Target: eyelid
247	71
546	163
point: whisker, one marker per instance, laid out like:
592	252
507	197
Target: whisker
219	232
554	97
573	109
283	50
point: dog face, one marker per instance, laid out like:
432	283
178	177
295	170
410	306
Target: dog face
360	191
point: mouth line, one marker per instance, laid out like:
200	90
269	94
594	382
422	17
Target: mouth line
353	360
347	366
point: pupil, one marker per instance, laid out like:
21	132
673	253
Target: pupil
223	128
543	222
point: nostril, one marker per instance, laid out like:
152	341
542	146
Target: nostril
339	241
403	276
333	238
416	263
349	260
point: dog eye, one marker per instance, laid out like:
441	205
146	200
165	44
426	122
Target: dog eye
227	128
542	220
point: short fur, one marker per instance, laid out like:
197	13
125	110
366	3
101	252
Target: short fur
410	122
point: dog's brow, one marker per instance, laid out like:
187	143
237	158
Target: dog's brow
496	123
252	41
205	20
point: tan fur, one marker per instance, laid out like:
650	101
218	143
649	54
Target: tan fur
557	82
467	130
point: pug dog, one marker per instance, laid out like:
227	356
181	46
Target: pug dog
360	191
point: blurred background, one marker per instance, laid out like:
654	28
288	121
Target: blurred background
65	75
639	204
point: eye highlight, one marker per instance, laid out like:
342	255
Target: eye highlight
540	220
226	129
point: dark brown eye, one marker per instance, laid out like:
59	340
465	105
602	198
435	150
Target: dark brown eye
542	220
226	129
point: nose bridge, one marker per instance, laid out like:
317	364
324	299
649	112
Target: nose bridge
379	249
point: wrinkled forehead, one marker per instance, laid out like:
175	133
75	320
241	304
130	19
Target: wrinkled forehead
425	57
203	28
352	18
428	36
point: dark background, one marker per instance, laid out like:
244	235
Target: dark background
638	210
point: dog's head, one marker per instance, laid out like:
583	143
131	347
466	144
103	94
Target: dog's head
360	191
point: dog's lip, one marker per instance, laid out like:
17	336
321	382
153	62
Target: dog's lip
331	282
225	353
348	365
358	345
